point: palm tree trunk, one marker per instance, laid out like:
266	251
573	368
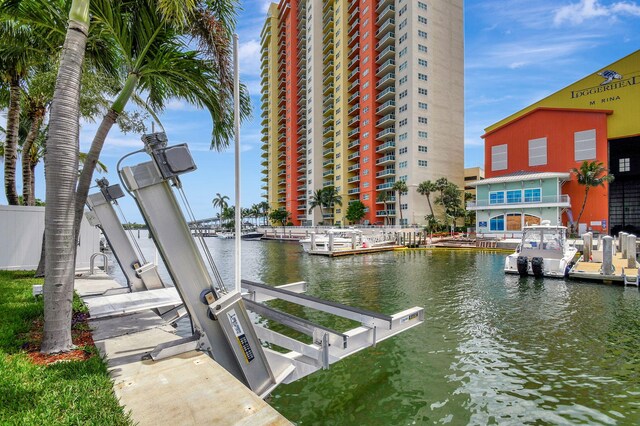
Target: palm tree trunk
32	166
400	206
429	202
11	142
584	204
61	168
89	166
28	197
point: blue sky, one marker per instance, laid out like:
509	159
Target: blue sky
516	52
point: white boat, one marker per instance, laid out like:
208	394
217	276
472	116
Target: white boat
543	251
343	239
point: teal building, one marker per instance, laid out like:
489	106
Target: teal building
506	203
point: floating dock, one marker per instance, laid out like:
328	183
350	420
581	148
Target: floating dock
592	271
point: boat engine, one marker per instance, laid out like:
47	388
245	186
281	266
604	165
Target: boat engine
537	266
523	266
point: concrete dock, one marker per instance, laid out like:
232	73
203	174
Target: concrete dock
185	389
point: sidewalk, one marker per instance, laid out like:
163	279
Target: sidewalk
185	389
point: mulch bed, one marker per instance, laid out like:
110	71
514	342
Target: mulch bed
80	334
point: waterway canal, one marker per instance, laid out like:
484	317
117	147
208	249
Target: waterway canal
493	348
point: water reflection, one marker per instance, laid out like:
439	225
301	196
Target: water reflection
493	349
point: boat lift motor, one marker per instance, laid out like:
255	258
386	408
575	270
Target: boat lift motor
219	316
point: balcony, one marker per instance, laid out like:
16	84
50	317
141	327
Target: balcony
389	24
386	173
327	173
386	120
387	146
353	73
353	132
302	168
327	131
327	152
388	65
353	144
543	201
353	179
387	53
386	81
327	142
383	186
388	200
387	106
353	168
354	109
387	94
327	163
354	155
388	133
387	213
353	191
385	160
387	40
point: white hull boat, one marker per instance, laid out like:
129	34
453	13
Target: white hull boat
343	239
543	252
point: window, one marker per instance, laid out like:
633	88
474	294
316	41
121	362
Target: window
496	223
422	148
402	122
422	120
585	145
402	66
403	108
403	23
496	197
403	137
422	19
402	52
422	134
422	105
538	152
422	5
403	80
532	195
499	157
365	197
514	196
403	150
422	91
404	179
403	94
422	77
422	34
403	38
404	206
624	165
422	163
402	164
422	62
422	48
514	221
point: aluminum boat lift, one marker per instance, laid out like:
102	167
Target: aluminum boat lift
220	319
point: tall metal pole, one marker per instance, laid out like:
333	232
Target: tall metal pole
236	125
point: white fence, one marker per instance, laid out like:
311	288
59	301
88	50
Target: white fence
21	231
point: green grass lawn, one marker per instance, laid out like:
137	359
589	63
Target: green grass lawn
70	392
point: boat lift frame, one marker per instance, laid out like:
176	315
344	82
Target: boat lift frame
220	319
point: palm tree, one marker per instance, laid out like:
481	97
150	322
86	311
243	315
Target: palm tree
331	197
263	206
61	166
221	202
383	197
154	40
426	188
591	174
399	187
317	200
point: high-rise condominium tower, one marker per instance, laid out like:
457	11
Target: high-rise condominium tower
359	94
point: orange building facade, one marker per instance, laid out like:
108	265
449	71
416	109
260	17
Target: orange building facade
594	119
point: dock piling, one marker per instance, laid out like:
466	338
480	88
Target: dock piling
631	251
587	246
607	255
622	236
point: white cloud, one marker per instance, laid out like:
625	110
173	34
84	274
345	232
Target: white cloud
577	13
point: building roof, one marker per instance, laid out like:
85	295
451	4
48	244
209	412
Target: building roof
521	176
537	109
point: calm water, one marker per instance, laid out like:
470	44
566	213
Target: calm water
493	348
